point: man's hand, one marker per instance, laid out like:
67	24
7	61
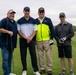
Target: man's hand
64	38
61	42
10	33
29	39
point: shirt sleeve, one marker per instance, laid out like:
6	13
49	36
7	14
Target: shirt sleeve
71	32
3	23
18	27
51	29
35	27
56	34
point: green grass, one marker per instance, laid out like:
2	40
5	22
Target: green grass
56	62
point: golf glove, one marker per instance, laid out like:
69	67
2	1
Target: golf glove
63	39
51	42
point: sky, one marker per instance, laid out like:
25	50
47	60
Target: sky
52	8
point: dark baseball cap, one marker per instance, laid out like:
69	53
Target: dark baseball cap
41	9
26	9
62	14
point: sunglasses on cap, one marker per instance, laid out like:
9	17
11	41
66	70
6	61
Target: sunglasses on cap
41	11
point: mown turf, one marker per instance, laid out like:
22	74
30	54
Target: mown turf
56	62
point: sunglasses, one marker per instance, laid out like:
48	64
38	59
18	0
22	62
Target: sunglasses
41	12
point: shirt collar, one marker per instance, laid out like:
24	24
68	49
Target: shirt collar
40	19
28	19
64	23
10	20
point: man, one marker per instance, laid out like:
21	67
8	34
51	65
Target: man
8	29
27	30
44	37
63	34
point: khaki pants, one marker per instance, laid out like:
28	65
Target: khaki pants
41	46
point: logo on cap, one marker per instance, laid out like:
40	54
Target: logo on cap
41	9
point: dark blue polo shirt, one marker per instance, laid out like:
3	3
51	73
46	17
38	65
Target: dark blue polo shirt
6	39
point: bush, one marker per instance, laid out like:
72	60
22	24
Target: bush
74	27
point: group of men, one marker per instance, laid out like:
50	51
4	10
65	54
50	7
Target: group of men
38	31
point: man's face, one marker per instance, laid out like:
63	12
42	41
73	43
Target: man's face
41	14
26	13
62	19
11	15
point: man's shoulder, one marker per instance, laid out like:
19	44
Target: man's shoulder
69	24
36	19
4	20
57	25
47	18
20	19
32	18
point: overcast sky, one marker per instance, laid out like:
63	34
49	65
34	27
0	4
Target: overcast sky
52	7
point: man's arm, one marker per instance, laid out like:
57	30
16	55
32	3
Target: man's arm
6	31
33	34
51	29
71	33
21	34
56	35
19	31
3	27
31	37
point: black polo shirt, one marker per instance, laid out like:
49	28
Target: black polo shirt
6	39
65	30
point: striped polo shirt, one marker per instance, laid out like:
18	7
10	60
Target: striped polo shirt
27	26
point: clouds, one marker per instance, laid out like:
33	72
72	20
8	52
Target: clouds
53	8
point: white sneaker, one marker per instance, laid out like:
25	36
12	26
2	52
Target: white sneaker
12	74
36	73
24	72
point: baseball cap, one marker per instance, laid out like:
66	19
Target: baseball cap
62	14
26	9
11	11
41	9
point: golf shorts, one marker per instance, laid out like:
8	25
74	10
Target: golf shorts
65	51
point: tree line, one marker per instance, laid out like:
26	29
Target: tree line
74	27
